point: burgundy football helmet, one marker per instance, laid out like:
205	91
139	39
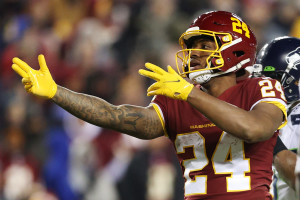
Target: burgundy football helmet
234	40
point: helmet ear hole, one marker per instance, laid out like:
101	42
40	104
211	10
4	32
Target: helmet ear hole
238	53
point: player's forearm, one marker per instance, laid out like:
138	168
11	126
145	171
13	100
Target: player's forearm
126	119
285	162
243	124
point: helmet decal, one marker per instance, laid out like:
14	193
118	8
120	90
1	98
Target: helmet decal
294	57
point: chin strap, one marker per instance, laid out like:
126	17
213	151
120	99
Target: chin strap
205	75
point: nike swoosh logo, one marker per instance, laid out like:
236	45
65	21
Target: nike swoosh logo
172	81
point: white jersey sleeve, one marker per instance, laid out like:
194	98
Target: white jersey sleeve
290	136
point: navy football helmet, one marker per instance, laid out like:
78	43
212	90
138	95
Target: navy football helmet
280	59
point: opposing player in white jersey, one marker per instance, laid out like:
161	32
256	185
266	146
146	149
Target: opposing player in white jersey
280	59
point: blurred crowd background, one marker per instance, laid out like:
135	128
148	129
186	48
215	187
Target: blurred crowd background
97	47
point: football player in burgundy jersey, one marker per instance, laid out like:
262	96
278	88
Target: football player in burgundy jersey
224	133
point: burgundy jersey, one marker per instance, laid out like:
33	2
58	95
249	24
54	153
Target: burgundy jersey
216	164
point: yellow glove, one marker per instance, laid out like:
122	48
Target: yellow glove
169	83
38	82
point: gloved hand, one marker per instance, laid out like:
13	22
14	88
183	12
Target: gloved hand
38	82
169	83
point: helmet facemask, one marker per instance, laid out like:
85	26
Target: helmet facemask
290	85
214	60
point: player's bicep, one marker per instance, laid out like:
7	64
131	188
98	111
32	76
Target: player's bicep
140	122
269	117
154	125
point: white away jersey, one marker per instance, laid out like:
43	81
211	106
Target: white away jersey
290	136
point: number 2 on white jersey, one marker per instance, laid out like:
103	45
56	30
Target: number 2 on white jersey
228	158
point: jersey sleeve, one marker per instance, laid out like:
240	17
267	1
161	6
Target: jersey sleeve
159	104
270	91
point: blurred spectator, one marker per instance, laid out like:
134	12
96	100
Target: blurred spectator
19	171
295	32
153	174
228	5
266	23
160	26
56	169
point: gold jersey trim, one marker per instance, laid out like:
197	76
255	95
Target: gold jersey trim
161	117
282	108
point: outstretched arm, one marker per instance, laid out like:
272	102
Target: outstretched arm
140	122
